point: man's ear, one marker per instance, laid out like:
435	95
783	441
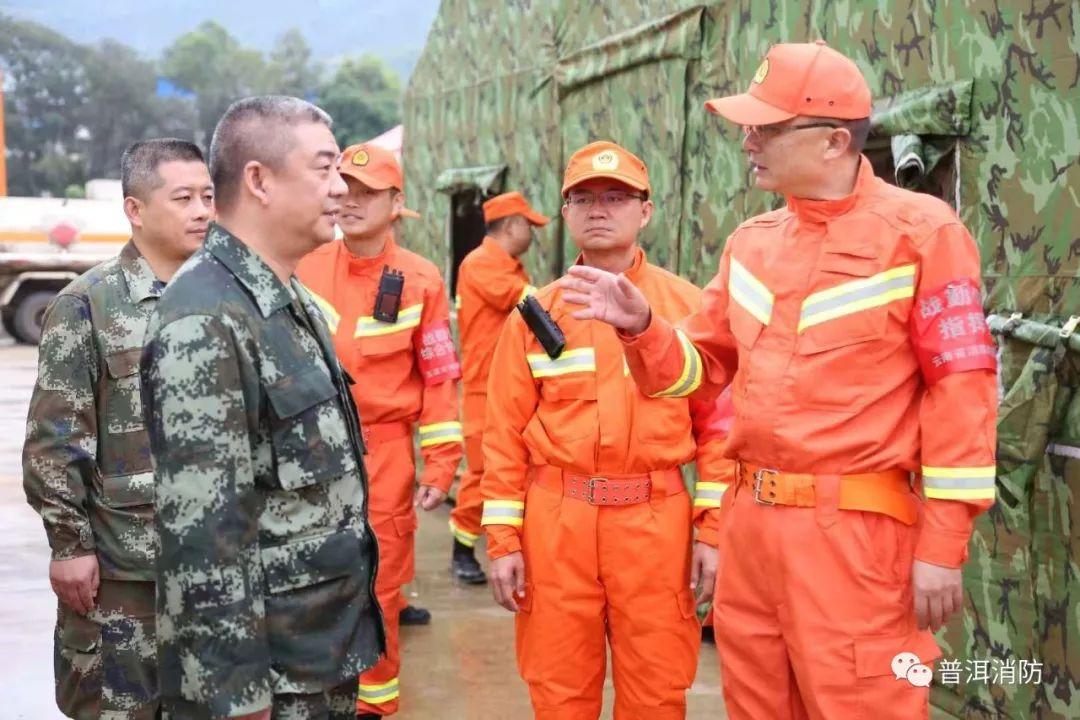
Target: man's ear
257	181
133	208
397	204
646	213
839	143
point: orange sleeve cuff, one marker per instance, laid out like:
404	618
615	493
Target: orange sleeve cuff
650	339
437	478
502	540
708	534
945	548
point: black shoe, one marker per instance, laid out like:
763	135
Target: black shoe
412	615
708	635
465	567
368	716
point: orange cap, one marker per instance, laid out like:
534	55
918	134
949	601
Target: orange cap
799	79
512	203
605	159
376	167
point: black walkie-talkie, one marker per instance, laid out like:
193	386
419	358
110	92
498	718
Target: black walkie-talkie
388	301
546	330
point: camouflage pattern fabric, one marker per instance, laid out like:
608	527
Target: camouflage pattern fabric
267	562
338	703
86	471
105	661
986	93
1023	577
526	83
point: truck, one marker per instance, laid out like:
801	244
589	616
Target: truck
45	243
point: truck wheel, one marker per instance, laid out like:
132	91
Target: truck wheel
30	316
7	319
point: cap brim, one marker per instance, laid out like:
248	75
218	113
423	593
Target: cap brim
536	218
349	170
745	109
592	175
407	213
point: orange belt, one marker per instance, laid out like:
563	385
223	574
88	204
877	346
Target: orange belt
378	433
610	489
889	492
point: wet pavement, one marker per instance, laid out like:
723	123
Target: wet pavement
460	667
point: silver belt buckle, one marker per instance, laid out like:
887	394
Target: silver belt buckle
759	478
591	489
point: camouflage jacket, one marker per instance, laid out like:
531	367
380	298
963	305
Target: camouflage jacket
267	562
86	461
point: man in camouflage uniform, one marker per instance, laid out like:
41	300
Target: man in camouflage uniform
86	462
267	562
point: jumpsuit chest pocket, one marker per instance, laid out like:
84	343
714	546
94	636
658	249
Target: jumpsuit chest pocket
744	326
123	399
841	324
308	432
568	388
386	344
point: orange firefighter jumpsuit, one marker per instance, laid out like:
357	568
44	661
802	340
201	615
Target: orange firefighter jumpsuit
562	438
405	375
853	335
490	283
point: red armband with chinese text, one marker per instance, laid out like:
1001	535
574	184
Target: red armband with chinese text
436	355
950	333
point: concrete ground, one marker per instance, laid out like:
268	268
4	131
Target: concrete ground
460	667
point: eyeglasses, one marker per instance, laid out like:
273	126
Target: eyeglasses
611	199
768	132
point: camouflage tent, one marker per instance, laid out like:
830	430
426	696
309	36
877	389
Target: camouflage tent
978	104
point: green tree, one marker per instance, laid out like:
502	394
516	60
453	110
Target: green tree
44	96
291	70
364	98
211	63
122	106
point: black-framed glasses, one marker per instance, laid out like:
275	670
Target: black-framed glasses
610	199
768	132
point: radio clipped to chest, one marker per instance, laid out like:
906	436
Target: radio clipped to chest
546	330
388	300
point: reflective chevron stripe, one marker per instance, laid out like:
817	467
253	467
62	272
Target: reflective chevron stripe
571	361
464	537
408	318
381	693
749	292
857	295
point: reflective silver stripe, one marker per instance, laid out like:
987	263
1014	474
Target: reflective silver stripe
440	433
749	292
503	512
958	483
577	360
857	295
1069	451
375	694
708	494
408	318
691	377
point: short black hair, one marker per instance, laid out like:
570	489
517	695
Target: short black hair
496	225
141	159
860	131
255	128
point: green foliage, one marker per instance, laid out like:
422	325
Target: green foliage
363	97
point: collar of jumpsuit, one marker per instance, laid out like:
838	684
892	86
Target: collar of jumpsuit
636	270
362	265
819	211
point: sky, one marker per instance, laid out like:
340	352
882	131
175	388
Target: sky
392	29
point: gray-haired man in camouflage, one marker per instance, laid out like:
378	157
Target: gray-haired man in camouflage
267	562
86	461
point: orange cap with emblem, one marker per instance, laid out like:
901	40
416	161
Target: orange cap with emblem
375	167
605	159
799	79
512	203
